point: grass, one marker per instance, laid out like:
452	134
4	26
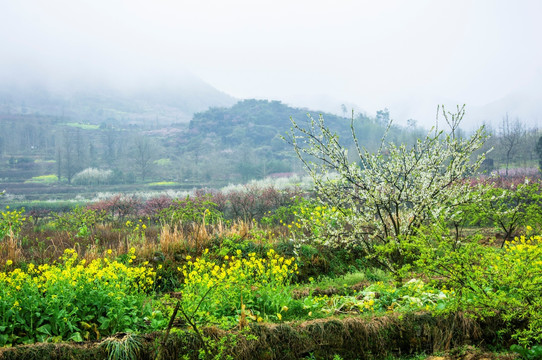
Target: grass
43	179
126	348
163	183
337	339
346	280
350	279
83	126
53	205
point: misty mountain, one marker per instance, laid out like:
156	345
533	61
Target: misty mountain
527	107
156	102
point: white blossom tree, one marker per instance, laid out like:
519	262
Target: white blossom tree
386	197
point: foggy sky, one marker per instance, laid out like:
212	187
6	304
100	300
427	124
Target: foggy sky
406	55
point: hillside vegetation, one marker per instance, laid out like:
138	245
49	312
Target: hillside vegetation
54	157
42	154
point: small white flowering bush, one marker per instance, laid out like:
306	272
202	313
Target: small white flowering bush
93	176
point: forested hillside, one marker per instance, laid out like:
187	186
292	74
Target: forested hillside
45	154
220	144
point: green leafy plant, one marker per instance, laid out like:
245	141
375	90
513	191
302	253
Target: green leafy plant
73	300
509	209
415	295
211	347
188	211
136	231
251	287
80	220
318	223
533	353
286	214
489	282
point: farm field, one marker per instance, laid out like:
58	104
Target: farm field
233	275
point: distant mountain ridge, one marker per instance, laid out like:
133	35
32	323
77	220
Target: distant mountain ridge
159	102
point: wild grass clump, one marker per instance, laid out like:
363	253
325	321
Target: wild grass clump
126	347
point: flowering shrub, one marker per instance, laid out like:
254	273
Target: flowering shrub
11	223
319	223
318	237
286	214
72	300
254	284
188	211
490	281
393	193
509	206
253	202
80	220
152	207
93	176
309	221
136	231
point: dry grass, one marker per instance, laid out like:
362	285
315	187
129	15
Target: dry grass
11	249
163	242
351	338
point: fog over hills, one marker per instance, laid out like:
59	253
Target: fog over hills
408	57
156	100
527	107
176	98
